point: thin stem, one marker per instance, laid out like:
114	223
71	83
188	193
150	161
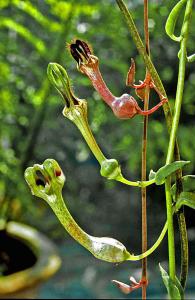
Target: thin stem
141	184
83	126
153	248
166	106
144	196
171	240
184	247
173	134
181	79
182	230
150	111
144	159
146	30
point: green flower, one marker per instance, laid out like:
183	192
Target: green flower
45	181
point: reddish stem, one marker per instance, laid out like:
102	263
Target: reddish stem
144	154
150	111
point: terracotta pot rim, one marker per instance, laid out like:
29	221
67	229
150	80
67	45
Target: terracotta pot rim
48	261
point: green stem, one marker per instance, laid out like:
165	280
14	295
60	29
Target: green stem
83	125
141	184
153	248
86	132
171	241
181	79
166	106
191	58
173	134
184	247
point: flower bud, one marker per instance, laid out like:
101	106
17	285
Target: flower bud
110	169
59	78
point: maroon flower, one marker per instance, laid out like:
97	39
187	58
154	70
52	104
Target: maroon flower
125	106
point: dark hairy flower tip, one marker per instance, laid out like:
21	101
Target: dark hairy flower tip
80	51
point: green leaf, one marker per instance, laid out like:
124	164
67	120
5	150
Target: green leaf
33	11
25	33
172	19
152	175
188	183
167	170
179	286
174	288
186	198
191	58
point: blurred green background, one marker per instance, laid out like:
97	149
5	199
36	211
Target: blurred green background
34	33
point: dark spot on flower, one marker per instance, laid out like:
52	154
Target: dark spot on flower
40	182
57	173
40	179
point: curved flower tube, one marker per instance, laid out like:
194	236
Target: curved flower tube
125	106
76	111
46	181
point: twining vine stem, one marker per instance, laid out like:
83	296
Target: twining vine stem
166	107
173	134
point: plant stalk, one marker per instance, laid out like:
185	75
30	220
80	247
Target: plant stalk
167	111
173	134
144	160
168	116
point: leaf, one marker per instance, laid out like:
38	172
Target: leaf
32	10
179	286
174	288
25	33
152	175
167	170
191	58
186	198
172	19
188	183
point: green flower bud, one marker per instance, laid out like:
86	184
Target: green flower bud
59	78
75	109
110	169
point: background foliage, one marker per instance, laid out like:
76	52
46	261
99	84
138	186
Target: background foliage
34	33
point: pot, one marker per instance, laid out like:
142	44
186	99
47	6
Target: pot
27	257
